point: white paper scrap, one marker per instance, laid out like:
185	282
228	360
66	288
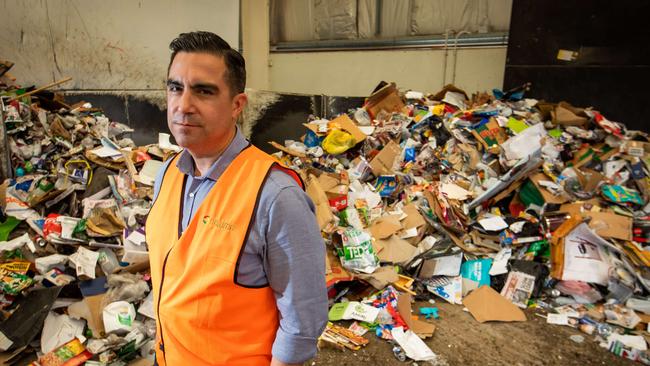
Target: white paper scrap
413	346
359	311
584	257
636	342
448	265
409	233
558	319
146	308
85	261
16	243
494	223
58	330
500	262
454	192
165	144
106	152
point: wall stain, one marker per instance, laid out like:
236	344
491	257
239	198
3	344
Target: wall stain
49	26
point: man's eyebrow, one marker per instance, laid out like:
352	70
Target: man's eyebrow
171	82
202	85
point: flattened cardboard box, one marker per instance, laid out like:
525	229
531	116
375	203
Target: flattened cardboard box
604	223
382	164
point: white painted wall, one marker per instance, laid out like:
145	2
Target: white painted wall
122	45
356	73
116	44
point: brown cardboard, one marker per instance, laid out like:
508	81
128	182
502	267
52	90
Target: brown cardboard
448	88
414	219
493	131
380	278
385	99
3	194
288	151
328	181
415	240
486	305
385	226
548	196
395	250
344	122
334	271
377	246
566	115
136	267
90	309
557	245
590	179
422	328
472	154
605	223
382	164
314	128
314	190
333	185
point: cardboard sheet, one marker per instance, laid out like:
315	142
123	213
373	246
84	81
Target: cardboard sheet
546	194
90	309
344	122
334	272
395	250
382	164
485	305
442	266
422	328
385	99
314	190
385	226
605	223
380	278
286	150
413	219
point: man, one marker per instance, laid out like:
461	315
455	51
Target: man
237	260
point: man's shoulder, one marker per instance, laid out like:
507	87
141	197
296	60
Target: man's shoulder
279	180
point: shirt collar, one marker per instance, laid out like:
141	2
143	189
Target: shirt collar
186	163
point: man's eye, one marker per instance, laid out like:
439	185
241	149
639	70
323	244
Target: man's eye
205	91
174	88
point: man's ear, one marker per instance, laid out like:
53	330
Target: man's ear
238	103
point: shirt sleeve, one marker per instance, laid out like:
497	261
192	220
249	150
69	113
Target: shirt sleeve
295	266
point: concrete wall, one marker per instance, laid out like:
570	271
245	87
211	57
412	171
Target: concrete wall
356	73
121	45
255	42
104	45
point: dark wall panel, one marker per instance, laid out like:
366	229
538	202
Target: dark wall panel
612	67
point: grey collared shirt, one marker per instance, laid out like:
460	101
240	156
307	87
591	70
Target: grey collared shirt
284	250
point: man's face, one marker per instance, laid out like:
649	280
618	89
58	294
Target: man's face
201	111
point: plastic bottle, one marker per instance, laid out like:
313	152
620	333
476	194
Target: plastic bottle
399	353
39	191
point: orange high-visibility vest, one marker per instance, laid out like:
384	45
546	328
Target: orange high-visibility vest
203	316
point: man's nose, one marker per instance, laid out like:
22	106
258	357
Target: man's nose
186	102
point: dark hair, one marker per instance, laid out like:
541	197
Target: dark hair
209	42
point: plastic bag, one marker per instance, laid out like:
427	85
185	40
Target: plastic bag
357	253
338	142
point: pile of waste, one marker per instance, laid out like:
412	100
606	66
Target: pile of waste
505	205
490	199
74	281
